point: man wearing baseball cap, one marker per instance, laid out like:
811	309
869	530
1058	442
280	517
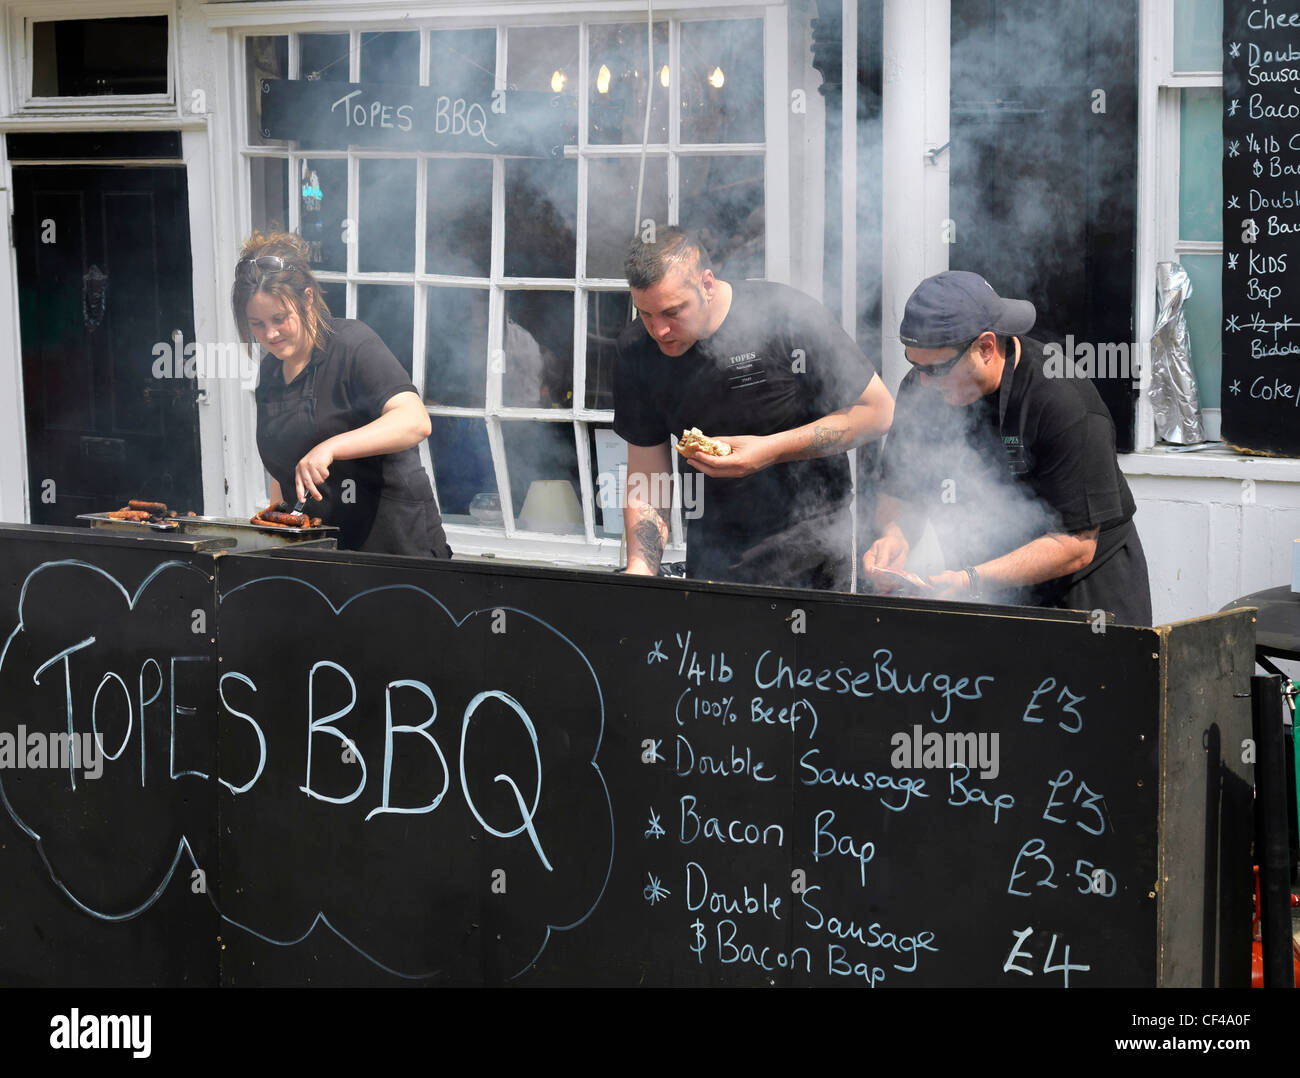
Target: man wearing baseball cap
1016	470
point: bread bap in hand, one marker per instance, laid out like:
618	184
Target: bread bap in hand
694	442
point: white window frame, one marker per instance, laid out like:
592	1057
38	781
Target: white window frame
22	18
507	540
1159	145
1159	152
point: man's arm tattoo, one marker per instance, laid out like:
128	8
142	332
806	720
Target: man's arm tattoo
650	536
825	437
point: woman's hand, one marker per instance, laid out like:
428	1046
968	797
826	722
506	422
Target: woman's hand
314	468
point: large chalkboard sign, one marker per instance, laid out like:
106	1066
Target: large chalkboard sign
405	772
1261	226
334	115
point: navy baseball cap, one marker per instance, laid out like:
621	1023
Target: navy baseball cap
957	306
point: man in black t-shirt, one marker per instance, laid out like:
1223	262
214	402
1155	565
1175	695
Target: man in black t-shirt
1016	469
768	371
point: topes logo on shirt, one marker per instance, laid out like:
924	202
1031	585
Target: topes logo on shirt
748	357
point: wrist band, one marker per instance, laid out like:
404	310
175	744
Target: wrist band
973	581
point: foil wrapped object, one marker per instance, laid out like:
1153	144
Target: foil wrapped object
1172	393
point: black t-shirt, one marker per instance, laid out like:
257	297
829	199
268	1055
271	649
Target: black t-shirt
778	361
382	504
988	494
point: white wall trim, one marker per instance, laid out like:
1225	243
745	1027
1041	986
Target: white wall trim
776	166
1155	27
1212	464
305	15
244	480
807	164
196	150
13	424
915	115
849	167
167	121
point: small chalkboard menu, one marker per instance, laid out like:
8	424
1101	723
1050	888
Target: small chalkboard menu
1261	226
335	115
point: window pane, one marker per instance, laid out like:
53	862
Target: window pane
458	236
1200	173
335	295
608	456
1198	35
324	193
544	59
608	314
455	351
543	464
617	83
390	311
386	232
269	188
266	58
323	56
722	81
538	350
723	198
612	219
87	57
391	56
1205	324
541	215
464	61
462	469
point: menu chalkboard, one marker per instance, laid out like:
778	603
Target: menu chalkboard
1261	224
350	769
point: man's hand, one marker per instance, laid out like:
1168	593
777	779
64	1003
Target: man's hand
895	521
867	418
750	453
1049	556
888	552
951	584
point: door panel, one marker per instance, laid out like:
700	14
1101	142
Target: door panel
1044	166
104	282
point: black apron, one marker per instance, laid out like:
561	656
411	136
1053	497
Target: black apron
375	502
1116	582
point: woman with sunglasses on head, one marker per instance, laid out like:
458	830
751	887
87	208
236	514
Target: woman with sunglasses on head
338	420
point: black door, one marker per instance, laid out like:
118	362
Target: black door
104	292
1044	166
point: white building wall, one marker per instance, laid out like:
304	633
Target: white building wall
1214	526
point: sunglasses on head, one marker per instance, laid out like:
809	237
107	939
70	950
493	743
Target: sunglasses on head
938	370
262	262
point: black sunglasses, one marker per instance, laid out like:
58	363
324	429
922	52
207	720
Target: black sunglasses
938	370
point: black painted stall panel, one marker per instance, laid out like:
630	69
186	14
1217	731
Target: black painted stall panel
597	780
386	771
111	638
